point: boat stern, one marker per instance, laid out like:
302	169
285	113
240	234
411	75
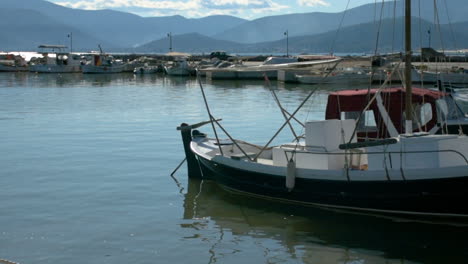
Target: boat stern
193	167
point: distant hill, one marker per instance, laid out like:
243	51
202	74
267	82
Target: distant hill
24	35
28	23
362	39
352	39
178	25
272	27
191	42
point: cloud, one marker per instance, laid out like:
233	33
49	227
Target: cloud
312	3
119	4
190	8
235	4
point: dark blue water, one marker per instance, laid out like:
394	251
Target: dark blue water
85	170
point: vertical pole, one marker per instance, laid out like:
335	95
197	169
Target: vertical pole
287	43
408	81
170	41
71	42
429	32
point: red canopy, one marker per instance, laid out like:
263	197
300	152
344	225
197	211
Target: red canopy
393	101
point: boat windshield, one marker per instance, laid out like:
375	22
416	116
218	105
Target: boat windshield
279	60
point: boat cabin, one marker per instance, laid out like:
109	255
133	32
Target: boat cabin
102	60
59	55
385	115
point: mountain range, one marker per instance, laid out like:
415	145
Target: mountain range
360	38
27	23
272	27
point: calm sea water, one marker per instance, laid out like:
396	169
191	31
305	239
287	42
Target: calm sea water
85	170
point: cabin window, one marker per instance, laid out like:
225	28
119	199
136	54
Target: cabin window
367	122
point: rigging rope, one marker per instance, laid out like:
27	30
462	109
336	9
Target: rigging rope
332	48
421	71
455	46
437	22
393	28
378	28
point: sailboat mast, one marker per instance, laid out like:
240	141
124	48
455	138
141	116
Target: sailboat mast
408	81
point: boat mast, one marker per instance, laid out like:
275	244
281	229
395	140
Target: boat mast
408	81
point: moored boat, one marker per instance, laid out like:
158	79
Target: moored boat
269	68
453	77
179	67
347	75
146	69
410	173
56	60
12	63
420	175
104	63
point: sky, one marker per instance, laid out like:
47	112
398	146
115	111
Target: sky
247	9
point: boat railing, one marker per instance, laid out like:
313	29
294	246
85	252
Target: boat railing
462	157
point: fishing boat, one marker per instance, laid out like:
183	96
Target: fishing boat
12	63
409	173
146	69
179	67
104	63
56	60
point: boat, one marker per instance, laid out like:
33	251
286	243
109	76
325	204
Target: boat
12	63
456	76
179	67
104	63
346	75
411	173
56	60
268	68
146	69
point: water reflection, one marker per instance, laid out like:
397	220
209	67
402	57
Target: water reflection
103	80
125	123
314	235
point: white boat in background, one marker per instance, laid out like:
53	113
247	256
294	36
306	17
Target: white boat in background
146	69
104	63
452	77
276	63
179	67
56	60
268	68
346	75
425	76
